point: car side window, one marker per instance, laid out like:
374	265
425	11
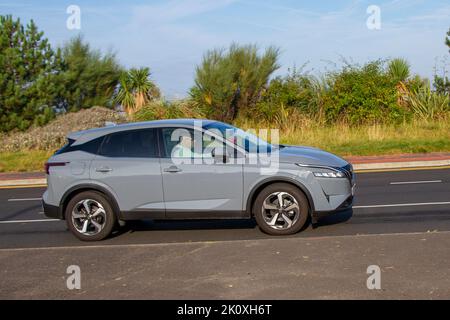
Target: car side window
131	144
181	143
91	146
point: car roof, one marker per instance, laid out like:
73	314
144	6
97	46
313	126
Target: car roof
86	135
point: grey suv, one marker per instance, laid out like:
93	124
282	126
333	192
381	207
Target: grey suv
190	169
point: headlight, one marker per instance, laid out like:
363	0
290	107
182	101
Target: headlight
336	174
332	173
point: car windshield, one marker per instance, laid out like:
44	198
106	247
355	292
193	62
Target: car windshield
247	140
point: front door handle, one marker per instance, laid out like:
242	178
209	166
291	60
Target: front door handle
172	169
103	169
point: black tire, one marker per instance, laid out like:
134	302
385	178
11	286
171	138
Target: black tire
282	227
108	218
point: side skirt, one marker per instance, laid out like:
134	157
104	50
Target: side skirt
182	215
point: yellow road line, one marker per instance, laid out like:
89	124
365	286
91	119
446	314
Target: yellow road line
24	186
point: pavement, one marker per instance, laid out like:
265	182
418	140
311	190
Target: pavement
400	222
400	161
296	268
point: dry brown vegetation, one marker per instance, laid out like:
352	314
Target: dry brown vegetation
53	135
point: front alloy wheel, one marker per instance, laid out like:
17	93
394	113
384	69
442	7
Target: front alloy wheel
281	209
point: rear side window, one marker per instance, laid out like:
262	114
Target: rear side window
89	147
132	143
64	148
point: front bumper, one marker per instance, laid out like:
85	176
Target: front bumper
51	211
345	206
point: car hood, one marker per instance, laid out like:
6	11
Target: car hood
309	156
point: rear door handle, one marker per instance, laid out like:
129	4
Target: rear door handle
103	169
172	169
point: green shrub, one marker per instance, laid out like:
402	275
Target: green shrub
364	94
295	93
47	115
230	82
294	90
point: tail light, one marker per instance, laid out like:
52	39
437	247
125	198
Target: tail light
53	164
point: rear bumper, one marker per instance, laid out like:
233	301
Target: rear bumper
51	211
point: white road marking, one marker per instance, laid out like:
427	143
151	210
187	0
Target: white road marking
28	221
354	207
193	243
402	205
416	182
25	199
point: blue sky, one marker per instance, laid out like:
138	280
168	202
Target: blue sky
171	36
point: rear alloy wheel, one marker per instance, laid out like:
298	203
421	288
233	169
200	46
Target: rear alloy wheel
281	209
89	216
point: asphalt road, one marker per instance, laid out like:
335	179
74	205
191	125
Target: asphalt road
400	220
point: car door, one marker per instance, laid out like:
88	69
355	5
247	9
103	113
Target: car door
195	186
128	163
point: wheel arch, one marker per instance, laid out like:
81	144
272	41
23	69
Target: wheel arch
266	182
70	193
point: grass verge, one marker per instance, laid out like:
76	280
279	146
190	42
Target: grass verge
344	140
25	161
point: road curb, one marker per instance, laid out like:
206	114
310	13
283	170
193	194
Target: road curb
23	182
401	165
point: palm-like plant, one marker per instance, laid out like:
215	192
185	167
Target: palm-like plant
428	105
125	95
136	90
399	69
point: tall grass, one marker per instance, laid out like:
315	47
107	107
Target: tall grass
416	136
24	161
161	109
